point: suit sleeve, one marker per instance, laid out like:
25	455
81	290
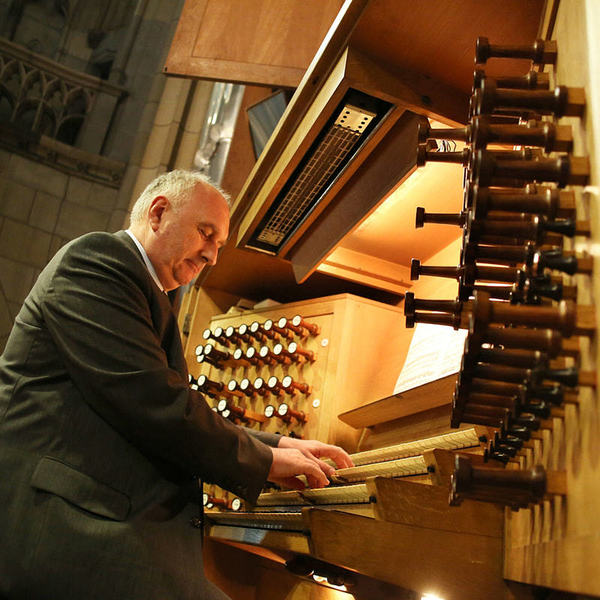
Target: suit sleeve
97	309
271	439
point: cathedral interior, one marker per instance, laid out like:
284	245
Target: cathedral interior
437	322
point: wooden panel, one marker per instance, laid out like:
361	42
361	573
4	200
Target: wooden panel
264	577
267	42
202	305
287	541
276	584
401	501
413	91
389	232
370	270
437	39
234	571
431	395
434	421
257	276
569	564
454	566
440	463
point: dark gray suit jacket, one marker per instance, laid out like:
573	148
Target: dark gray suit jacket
101	439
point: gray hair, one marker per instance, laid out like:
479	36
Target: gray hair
176	185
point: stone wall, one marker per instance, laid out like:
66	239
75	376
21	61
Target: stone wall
143	63
41	208
69	31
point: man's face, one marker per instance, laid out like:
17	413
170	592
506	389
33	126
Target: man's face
187	238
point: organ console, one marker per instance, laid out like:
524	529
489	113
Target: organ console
269	325
524	408
218	335
287	414
259	333
312	328
252	356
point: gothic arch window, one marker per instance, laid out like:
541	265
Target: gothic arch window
10	77
7	104
32	85
77	104
25	114
46	122
68	130
54	95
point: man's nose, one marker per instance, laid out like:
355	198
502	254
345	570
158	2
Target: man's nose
210	253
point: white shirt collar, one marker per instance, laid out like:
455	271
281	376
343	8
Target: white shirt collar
149	265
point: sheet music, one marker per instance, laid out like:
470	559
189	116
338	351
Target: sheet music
435	352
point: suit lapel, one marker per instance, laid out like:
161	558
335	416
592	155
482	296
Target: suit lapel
163	317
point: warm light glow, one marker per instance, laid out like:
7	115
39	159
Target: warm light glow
323	581
400	194
430	597
390	203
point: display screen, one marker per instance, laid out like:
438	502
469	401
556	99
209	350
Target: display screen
263	118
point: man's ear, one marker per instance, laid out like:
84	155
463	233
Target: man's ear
157	209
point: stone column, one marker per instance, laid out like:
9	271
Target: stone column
192	126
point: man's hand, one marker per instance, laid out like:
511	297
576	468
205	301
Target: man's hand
295	457
319	450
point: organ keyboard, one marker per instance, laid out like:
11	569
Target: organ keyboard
347	494
397	515
454	440
414	465
281	510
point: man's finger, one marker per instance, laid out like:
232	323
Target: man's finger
327	469
314	482
340	457
315	476
292	483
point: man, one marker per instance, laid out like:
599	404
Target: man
101	439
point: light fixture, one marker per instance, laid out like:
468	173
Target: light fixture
325	581
321	572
